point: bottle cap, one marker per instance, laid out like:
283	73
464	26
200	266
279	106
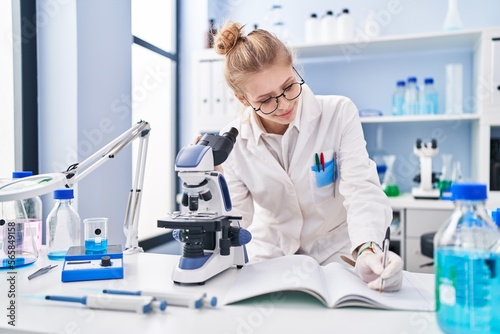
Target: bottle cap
412	79
400	83
345	11
468	191
329	12
20	175
63	194
313	15
429	81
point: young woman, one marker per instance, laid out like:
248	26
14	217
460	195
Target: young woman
299	173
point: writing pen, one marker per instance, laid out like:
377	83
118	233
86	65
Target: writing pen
316	156
191	300
322	159
385	246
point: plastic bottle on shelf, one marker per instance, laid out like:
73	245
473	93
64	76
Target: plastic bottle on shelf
429	98
398	98
313	29
467	262
63	225
411	97
345	26
328	28
21	222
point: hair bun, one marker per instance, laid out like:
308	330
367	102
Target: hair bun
228	37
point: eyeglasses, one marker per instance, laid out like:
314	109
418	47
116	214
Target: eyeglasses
290	93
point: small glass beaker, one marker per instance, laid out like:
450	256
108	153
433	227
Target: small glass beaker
96	234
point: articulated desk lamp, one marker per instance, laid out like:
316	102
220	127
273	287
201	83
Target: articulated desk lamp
45	183
212	237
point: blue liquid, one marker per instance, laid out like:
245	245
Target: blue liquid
397	105
19	262
430	104
57	255
467	284
92	245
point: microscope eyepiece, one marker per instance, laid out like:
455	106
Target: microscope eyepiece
231	134
221	145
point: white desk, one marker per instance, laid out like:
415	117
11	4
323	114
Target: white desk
293	313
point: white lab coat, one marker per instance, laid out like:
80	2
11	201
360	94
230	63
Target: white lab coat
285	210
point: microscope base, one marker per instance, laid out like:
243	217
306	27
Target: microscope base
420	193
213	266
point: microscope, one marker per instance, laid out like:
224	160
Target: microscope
426	177
212	238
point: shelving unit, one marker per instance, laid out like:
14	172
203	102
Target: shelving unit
383	45
419	118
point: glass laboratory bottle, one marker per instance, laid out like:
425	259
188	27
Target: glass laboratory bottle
22	229
429	98
398	99
467	265
411	97
63	225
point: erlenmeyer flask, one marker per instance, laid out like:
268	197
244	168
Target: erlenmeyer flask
445	180
389	185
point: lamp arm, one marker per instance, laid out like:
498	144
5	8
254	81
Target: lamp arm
131	222
107	152
74	174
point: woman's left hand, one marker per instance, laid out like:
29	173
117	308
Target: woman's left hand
369	267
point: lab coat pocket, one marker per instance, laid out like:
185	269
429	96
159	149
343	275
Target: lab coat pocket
322	182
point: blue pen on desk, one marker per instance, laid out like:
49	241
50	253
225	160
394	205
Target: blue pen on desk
385	246
191	300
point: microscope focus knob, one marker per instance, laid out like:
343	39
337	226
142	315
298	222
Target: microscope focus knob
239	236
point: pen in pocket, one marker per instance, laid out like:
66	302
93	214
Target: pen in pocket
316	160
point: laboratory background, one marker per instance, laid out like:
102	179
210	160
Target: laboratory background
92	69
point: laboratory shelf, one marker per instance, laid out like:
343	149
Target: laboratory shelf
384	45
419	118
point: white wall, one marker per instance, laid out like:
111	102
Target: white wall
193	32
84	62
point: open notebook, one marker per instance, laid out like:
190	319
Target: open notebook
334	285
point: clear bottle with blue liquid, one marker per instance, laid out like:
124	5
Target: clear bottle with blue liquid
63	225
429	98
398	99
467	265
412	97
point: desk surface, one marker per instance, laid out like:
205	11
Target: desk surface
295	313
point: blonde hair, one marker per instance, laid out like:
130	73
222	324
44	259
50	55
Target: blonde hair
248	54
